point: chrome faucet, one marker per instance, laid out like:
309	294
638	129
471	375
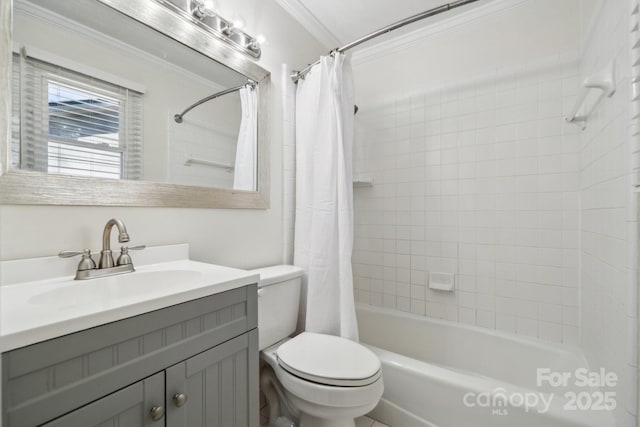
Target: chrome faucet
87	268
106	259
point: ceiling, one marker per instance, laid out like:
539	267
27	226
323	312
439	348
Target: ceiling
338	22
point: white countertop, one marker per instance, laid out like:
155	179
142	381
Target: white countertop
38	310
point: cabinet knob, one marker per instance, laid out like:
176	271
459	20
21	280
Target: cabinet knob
179	399
157	412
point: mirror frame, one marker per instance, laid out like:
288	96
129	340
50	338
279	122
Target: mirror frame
36	188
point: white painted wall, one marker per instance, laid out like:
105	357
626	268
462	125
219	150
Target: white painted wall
510	34
239	238
589	15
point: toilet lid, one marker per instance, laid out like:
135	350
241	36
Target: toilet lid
330	360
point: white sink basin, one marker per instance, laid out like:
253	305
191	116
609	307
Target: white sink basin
139	283
42	309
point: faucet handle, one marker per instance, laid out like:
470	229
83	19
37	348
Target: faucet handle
86	263
70	254
124	257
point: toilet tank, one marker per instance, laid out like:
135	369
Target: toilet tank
278	302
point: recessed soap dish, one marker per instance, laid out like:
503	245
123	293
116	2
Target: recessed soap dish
442	281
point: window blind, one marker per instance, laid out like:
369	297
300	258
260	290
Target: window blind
71	123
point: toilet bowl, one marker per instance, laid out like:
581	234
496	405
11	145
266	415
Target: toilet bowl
320	380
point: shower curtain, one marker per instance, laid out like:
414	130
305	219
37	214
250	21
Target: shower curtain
244	177
324	196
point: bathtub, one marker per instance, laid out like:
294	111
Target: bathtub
443	374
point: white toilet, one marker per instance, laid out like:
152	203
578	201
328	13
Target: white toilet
322	380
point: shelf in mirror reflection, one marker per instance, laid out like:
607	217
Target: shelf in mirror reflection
202	162
363	181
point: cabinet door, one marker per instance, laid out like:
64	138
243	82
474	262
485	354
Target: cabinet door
129	407
220	386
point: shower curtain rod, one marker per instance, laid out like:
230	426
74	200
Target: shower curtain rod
297	75
178	117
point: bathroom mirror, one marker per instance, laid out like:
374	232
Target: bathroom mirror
96	85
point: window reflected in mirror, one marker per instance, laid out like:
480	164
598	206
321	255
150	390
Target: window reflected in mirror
73	124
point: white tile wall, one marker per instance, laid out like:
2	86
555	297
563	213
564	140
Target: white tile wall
479	179
609	214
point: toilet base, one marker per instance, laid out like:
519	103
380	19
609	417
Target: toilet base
307	420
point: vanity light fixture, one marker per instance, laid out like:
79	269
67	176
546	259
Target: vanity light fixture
204	14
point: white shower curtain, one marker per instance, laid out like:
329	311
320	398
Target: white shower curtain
244	177
324	196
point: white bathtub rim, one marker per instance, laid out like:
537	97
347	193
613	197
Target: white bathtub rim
479	384
473	382
525	340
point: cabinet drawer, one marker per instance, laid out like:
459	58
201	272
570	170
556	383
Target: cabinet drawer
51	378
128	407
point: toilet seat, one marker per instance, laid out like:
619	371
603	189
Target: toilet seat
329	360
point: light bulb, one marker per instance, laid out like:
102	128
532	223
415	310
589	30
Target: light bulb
204	8
238	22
258	42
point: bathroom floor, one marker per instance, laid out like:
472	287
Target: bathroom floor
368	422
360	422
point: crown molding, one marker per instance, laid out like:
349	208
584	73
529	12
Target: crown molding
394	44
309	21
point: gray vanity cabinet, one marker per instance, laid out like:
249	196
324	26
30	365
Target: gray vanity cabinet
196	363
